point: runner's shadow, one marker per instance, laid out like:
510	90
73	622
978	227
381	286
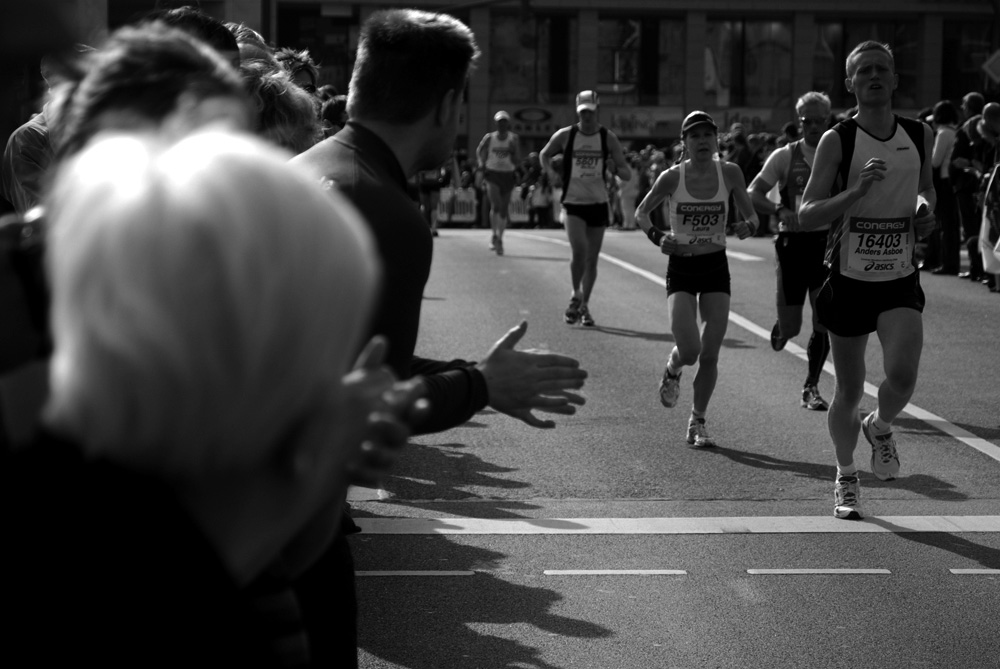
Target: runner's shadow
984	555
921	484
523	257
453	621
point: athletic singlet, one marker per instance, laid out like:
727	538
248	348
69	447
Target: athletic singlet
695	221
586	181
877	239
499	155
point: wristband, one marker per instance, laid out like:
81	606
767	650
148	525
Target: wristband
656	236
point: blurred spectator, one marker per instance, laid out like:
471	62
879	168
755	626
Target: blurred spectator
203	26
199	416
286	114
943	243
27	155
301	66
251	44
327	92
334	115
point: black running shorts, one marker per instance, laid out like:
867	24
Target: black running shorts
707	273
850	308
800	267
594	215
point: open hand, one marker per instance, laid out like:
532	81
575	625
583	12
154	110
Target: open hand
520	382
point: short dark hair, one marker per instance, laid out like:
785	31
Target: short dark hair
142	70
208	29
407	59
946	113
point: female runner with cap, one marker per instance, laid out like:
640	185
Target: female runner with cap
499	155
698	270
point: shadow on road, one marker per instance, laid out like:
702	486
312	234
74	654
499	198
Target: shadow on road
986	556
661	336
457	621
921	484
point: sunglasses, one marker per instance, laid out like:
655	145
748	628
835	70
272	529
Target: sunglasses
813	120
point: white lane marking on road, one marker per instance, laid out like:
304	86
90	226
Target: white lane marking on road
415	573
985	447
716	525
967	572
614	572
786	572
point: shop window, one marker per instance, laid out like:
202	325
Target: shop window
531	57
967	45
748	63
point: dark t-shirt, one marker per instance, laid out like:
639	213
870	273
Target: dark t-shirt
103	568
365	169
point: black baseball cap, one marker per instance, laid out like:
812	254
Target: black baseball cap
696	118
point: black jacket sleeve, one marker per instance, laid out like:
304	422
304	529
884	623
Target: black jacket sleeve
456	390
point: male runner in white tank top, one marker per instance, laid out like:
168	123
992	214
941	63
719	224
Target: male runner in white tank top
594	150
885	205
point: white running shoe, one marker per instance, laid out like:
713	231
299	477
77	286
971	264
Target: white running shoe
670	389
847	498
697	434
885	459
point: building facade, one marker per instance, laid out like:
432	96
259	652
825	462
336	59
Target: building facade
652	61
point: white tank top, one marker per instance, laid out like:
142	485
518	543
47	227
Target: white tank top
500	157
694	221
586	180
878	237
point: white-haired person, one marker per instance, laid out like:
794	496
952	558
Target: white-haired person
207	306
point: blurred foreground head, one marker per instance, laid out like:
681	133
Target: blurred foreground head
207	300
149	77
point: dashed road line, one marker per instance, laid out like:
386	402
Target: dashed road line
416	573
967	572
614	572
810	572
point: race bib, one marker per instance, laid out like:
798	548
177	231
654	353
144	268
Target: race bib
878	247
587	164
701	223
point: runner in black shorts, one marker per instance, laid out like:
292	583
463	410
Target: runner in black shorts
885	205
698	280
590	153
799	267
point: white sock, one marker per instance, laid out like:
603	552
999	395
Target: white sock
880	425
847	470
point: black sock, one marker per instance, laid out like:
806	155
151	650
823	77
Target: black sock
817	350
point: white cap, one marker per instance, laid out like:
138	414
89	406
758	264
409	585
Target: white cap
586	100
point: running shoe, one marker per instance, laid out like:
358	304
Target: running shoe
586	320
572	314
847	498
777	341
885	460
493	242
670	389
698	435
811	399
499	246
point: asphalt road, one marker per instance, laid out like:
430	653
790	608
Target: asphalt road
608	542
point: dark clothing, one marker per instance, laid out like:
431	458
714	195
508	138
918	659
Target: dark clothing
102	567
850	308
368	173
708	273
364	168
25	161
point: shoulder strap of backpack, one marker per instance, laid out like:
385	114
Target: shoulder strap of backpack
847	131
568	157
